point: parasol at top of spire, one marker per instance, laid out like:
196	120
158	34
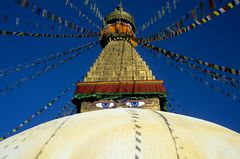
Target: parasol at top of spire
120	15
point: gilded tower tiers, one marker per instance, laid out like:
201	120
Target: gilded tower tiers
119	77
119	61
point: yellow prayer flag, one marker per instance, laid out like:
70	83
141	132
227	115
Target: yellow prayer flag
204	20
21	34
233	71
216	67
230	5
216	13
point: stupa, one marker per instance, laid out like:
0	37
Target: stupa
122	114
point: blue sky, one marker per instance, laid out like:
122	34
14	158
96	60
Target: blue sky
216	42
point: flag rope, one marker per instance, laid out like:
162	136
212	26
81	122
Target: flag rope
213	75
36	9
81	14
38	113
171	107
163	36
62	112
159	14
39	73
20	67
39	35
205	82
95	9
169	96
210	65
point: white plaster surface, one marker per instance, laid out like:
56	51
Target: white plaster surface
124	134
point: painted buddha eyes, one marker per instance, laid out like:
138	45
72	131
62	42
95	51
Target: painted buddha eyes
104	105
135	104
128	103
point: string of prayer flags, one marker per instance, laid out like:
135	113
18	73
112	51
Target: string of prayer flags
172	100
205	82
38	35
195	24
95	9
38	113
74	111
160	13
27	22
69	111
171	107
215	76
39	61
51	16
210	65
63	109
81	14
43	71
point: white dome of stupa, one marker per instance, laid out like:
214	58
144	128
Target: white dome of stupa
124	133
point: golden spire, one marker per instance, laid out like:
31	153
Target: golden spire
119	61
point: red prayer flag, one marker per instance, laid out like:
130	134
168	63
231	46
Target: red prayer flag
25	3
211	4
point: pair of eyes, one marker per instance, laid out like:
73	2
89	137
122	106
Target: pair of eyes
109	104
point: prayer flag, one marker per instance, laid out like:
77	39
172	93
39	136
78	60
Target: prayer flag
34	6
159	14
194	14
201	6
86	2
211	4
163	11
151	20
17	20
168	7
181	22
94	7
174	4
67	1
25	3
44	12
